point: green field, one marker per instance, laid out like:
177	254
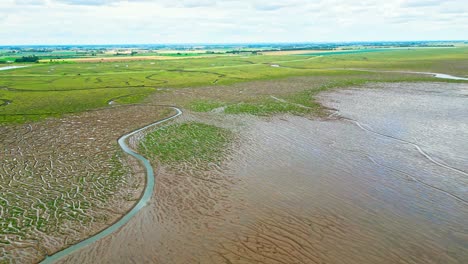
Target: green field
48	89
186	142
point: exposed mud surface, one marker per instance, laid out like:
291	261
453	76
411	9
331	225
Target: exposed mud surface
63	180
382	181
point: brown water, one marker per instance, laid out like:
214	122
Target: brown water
384	182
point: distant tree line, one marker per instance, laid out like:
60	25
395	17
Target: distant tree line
254	52
31	58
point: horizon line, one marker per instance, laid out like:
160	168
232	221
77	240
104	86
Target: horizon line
235	43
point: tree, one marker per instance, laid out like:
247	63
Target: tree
30	58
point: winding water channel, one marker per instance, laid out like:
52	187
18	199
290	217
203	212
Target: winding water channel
148	192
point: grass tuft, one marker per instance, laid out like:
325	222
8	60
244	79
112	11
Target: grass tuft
265	107
186	142
204	105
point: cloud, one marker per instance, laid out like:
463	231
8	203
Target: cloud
189	3
168	3
95	2
191	21
454	11
270	6
88	2
30	2
420	3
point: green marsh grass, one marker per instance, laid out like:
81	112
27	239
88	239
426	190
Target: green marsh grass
204	105
266	107
49	89
191	141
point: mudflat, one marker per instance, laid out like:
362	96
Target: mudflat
383	179
37	160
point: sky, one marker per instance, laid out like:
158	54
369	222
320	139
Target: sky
40	22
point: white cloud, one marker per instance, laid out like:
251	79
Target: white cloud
95	2
211	21
30	2
420	3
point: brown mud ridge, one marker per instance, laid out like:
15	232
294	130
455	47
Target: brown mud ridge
62	180
350	189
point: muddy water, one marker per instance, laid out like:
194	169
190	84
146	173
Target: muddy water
384	182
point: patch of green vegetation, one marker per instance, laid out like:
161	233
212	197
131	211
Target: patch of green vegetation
19	118
343	52
31	106
443	60
182	54
296	103
204	105
8	59
266	107
186	142
117	175
131	98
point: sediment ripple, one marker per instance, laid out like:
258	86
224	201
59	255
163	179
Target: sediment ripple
150	177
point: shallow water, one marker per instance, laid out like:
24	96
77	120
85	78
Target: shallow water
385	182
441	75
11	67
434	74
447	76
